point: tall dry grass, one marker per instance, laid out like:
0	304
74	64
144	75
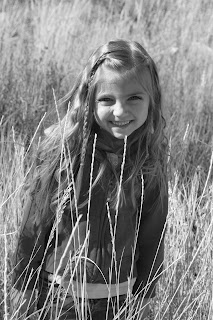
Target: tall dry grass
43	46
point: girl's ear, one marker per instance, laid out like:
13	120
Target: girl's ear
151	128
151	124
76	102
95	116
150	121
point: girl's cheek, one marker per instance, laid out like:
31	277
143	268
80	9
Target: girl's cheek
103	110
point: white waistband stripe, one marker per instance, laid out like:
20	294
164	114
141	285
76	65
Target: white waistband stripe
98	290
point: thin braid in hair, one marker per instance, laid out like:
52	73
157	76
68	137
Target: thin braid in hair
91	75
85	89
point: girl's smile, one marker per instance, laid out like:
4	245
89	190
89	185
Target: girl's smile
121	103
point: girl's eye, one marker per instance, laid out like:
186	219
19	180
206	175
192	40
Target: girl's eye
135	98
105	100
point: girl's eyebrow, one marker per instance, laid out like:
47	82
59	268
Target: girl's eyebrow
136	93
108	93
100	94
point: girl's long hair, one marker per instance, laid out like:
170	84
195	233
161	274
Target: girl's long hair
64	148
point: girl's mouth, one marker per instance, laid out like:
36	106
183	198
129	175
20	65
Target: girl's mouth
121	123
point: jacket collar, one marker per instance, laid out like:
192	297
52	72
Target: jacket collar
108	143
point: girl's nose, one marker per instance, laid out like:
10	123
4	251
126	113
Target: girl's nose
119	109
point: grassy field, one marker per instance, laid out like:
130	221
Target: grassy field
43	46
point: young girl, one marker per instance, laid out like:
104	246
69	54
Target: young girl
92	236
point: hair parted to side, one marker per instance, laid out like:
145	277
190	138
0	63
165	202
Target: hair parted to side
68	140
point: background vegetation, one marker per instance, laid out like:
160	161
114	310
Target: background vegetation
43	46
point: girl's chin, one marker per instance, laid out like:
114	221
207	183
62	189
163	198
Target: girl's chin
120	135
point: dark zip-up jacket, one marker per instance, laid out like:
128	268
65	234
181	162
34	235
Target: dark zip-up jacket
145	264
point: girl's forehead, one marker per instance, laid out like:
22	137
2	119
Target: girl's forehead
106	79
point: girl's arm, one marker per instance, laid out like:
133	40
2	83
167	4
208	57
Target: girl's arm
22	303
145	308
30	248
151	242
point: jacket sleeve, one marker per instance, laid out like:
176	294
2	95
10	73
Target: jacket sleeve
30	245
151	242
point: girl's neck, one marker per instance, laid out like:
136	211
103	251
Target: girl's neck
107	141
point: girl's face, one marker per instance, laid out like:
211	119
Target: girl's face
121	104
